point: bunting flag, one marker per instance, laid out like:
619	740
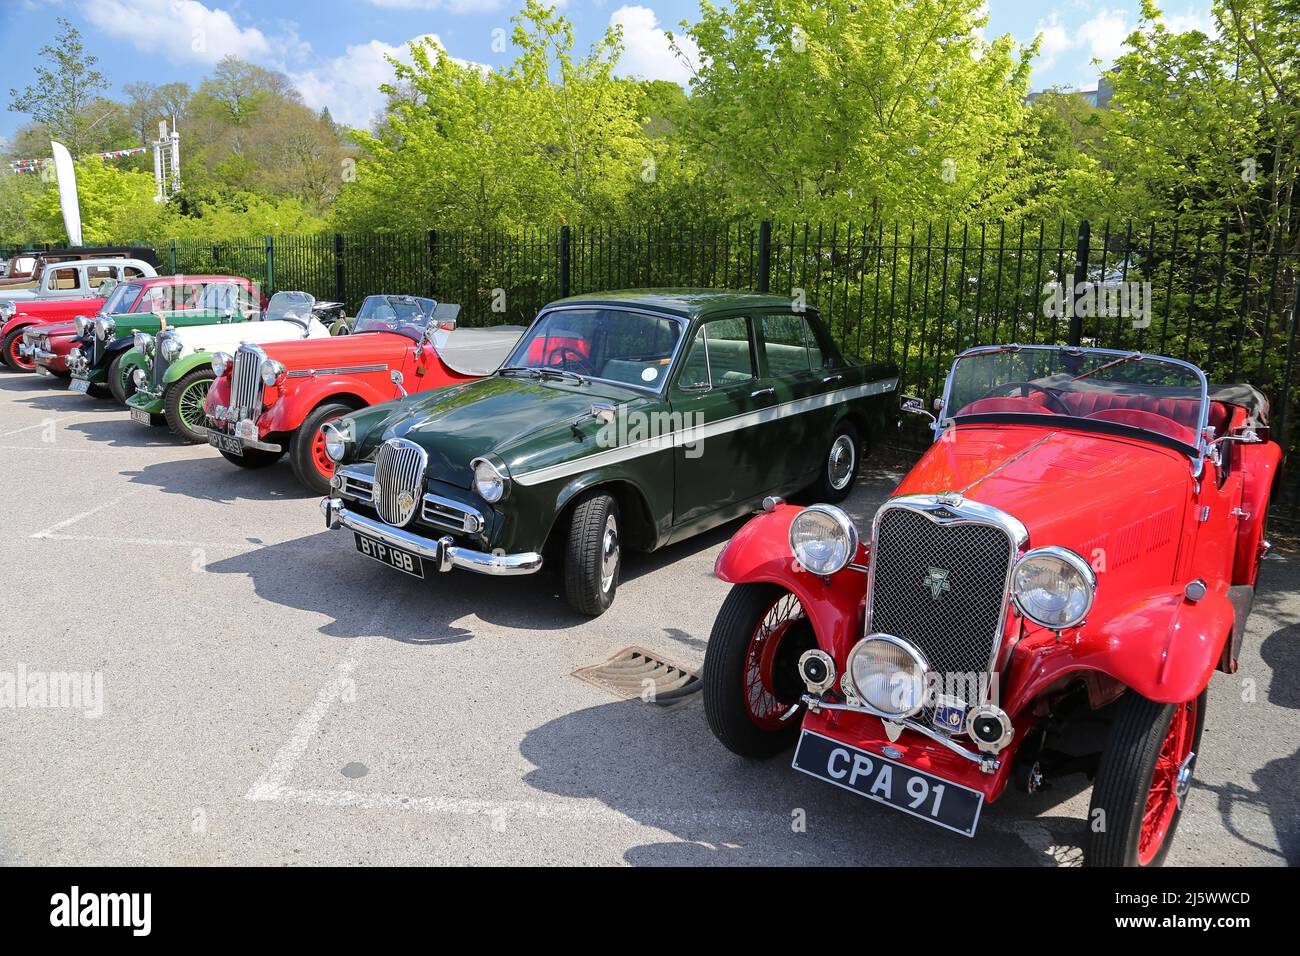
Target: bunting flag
35	165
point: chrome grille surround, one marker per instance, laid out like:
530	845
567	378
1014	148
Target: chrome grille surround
399	475
160	363
957	624
451	515
246	382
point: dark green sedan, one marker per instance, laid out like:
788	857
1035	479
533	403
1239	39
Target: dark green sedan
621	419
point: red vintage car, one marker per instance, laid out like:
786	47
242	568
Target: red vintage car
284	393
27	316
1049	591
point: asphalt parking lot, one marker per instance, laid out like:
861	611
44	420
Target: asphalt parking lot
271	697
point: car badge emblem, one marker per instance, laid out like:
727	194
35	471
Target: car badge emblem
936	579
405	501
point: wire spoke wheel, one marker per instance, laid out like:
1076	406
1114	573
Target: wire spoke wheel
767	696
191	404
1169	782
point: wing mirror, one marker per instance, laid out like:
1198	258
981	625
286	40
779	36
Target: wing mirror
396	377
913	405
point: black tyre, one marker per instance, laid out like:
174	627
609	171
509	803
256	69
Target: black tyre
751	670
1143	781
12	360
307	449
839	468
253	458
593	555
119	382
183	406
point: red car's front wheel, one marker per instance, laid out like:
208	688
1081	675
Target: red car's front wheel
1143	781
307	450
751	670
12	358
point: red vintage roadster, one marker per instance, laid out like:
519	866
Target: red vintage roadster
267	400
1049	591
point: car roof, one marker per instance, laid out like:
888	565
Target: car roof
687	303
184	279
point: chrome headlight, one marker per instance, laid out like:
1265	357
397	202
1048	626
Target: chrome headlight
84	324
490	482
1053	587
140	379
143	342
823	539
220	362
888	674
171	347
105	327
273	372
336	441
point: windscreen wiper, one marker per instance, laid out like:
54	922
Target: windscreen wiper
561	373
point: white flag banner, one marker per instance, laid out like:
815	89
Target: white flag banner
67	176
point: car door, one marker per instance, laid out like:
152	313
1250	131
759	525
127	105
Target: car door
791	363
716	394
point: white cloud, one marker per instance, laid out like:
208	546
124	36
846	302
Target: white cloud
1191	20
1056	40
451	6
348	85
1103	36
185	31
646	51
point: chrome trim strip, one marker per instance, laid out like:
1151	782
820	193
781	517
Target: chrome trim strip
689	436
472	520
341	370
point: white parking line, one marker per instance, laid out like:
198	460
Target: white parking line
67	522
44	423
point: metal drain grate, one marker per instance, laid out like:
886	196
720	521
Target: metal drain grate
636	674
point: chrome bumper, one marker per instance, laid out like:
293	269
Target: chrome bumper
442	552
248	442
34	353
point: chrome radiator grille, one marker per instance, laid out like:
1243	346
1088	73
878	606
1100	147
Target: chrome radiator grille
399	480
246	381
160	362
942	585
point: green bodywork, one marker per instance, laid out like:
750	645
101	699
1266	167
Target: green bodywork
151	398
128	323
545	433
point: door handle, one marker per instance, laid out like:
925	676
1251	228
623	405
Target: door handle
831	378
763	391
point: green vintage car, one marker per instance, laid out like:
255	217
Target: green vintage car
623	418
146	305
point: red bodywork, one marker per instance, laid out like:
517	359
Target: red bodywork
1130	507
353	370
48	312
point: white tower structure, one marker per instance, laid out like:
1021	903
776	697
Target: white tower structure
167	162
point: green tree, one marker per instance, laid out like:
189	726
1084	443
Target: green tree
837	108
116	204
63	90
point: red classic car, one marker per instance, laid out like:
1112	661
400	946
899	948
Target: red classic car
1048	591
283	393
27	316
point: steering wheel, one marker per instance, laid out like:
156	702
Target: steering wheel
559	357
1025	388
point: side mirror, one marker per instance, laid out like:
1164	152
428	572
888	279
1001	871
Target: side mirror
914	406
396	377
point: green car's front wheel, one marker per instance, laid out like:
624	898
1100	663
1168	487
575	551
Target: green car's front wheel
183	406
120	384
593	555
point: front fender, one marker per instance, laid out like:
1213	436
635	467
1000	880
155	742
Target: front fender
288	413
16	322
183	366
1157	643
759	553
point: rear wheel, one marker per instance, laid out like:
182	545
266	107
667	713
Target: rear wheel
119	380
183	406
751	676
1143	781
593	556
839	465
13	361
307	455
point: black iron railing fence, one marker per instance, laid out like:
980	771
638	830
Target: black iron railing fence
1223	296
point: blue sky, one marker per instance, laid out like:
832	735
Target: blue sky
334	49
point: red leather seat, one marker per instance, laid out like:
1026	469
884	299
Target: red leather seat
989	406
1179	411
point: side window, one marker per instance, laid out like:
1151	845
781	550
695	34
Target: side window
66	279
97	274
789	345
131	272
719	355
